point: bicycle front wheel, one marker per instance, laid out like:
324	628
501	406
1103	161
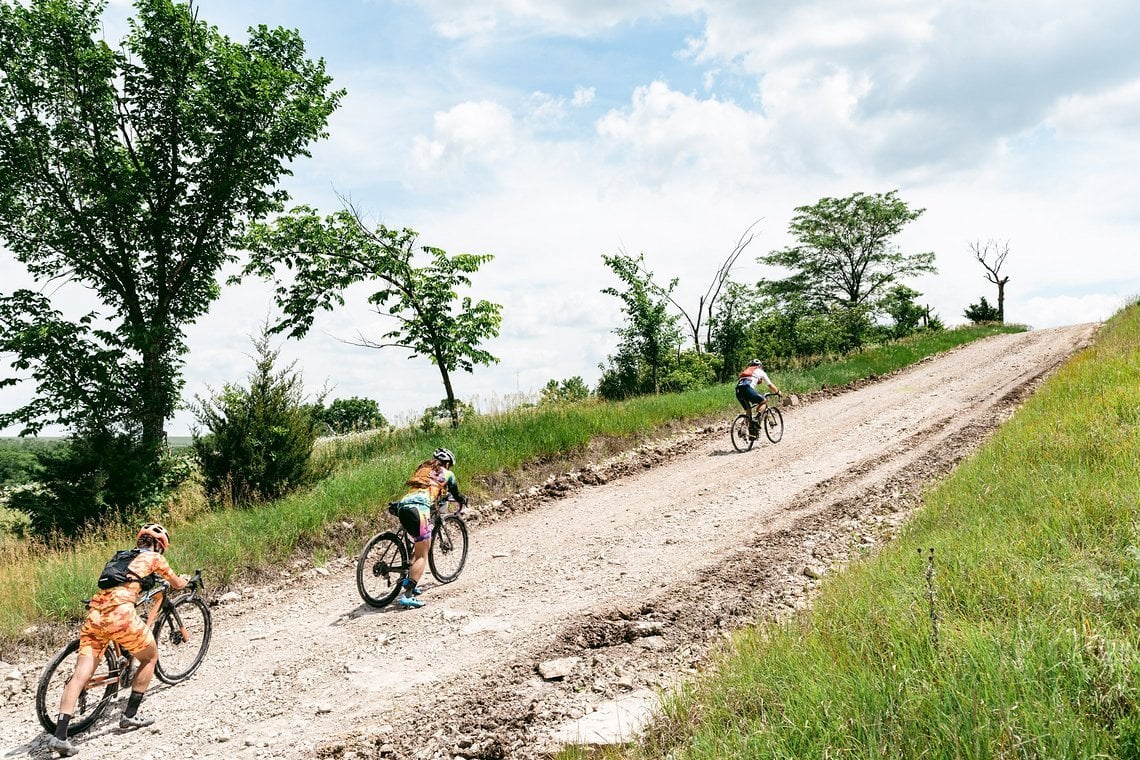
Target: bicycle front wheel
448	553
94	698
742	440
773	424
183	636
382	566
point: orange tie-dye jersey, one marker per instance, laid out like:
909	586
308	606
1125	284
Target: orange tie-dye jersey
111	614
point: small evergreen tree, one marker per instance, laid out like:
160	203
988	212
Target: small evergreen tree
568	391
259	440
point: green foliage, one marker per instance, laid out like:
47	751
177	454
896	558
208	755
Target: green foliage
691	370
982	311
733	329
259	440
445	412
567	392
18	462
131	173
327	256
845	255
94	476
649	337
899	304
349	415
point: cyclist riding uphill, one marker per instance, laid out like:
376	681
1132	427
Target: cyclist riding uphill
746	393
111	616
431	478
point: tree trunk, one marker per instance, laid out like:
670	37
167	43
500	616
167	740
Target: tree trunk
1001	301
451	405
152	400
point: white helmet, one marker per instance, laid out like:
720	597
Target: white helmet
445	456
755	363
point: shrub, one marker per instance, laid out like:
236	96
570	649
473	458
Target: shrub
96	476
982	311
349	415
259	440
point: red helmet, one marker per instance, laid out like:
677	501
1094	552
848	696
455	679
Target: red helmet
158	533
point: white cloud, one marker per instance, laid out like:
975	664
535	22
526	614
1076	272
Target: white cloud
476	133
667	135
583	96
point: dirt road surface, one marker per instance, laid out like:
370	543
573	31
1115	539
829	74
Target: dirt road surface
625	580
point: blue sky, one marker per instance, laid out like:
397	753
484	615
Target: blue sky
550	133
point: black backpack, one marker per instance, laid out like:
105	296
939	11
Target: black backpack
116	572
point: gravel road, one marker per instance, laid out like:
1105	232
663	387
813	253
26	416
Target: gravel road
623	574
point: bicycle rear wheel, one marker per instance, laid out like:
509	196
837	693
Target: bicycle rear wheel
94	698
741	439
773	424
183	636
448	553
382	566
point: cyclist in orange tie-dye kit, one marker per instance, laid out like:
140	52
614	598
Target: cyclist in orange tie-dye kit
111	616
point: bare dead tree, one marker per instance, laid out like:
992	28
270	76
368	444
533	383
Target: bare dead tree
706	302
991	255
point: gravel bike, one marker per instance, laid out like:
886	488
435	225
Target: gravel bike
182	629
771	419
386	559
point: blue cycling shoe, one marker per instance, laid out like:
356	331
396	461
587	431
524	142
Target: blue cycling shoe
409	601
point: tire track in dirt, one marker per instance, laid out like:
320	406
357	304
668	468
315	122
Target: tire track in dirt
637	577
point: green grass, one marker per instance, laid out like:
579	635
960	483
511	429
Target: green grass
369	471
1037	550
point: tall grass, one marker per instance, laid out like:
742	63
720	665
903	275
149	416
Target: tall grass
370	470
1037	547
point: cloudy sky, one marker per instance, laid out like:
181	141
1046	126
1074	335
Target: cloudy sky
551	132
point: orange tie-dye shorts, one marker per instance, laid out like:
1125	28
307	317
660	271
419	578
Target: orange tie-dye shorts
119	623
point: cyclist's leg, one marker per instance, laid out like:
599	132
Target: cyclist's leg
84	668
133	634
416	520
93	639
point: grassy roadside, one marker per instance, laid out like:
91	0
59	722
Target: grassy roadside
1036	541
44	584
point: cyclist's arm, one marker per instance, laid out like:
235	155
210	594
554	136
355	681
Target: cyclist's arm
162	567
453	488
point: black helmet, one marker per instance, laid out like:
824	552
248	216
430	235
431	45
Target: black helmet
445	456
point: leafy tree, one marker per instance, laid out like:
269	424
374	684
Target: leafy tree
132	172
351	415
845	254
258	440
982	311
650	335
327	256
899	304
567	392
991	255
706	303
732	329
